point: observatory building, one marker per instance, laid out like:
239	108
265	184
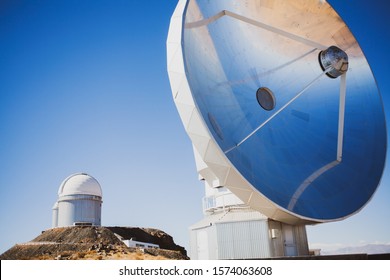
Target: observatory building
79	202
230	229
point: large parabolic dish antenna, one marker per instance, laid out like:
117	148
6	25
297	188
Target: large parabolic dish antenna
280	103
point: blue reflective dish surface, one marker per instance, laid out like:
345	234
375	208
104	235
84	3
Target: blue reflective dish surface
291	156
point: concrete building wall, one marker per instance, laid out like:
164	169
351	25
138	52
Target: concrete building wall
288	240
203	244
234	236
276	238
239	233
243	240
301	240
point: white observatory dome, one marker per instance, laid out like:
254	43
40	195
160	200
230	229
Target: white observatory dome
80	183
79	202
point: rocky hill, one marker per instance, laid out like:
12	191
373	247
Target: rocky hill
89	242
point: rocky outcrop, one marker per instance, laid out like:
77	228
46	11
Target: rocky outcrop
148	235
89	242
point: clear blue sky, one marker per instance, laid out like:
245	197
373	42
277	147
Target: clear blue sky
84	88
